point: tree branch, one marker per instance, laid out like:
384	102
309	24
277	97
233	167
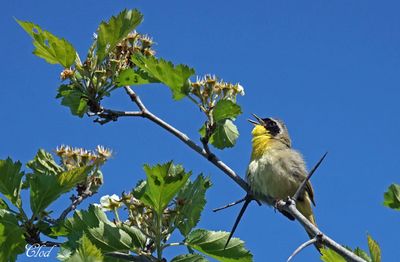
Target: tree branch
247	201
230	204
288	206
74	204
301	247
111	114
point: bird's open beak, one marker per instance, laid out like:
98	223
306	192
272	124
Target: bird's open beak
260	121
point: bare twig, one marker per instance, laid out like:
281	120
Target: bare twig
230	204
302	185
74	204
177	133
301	247
247	201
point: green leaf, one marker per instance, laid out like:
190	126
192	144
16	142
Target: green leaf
175	77
103	233
190	203
224	135
131	77
112	32
361	253
73	98
189	258
86	252
3	204
392	197
46	188
10	180
212	244
163	182
374	250
43	163
69	179
49	181
328	255
225	109
140	189
49	47
12	241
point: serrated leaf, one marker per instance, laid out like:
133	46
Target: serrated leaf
69	179
189	258
162	184
140	189
374	250
225	109
12	241
328	255
49	47
131	77
103	233
11	180
110	33
361	253
49	181
86	252
392	197
224	135
43	163
212	243
73	98
175	77
190	203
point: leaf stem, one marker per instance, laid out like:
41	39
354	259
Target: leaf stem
158	236
115	210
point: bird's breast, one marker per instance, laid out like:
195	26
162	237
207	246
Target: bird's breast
270	176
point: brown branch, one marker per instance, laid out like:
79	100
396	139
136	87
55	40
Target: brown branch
74	204
105	118
288	206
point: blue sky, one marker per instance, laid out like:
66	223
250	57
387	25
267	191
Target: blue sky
329	69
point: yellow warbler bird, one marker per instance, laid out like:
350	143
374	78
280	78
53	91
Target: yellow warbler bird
276	170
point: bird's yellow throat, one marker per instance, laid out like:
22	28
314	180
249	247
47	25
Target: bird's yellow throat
261	141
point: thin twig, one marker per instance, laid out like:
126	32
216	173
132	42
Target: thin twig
74	205
230	204
185	139
301	247
302	185
248	199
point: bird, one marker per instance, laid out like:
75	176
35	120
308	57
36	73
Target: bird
276	170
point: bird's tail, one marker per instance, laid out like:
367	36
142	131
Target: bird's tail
305	208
